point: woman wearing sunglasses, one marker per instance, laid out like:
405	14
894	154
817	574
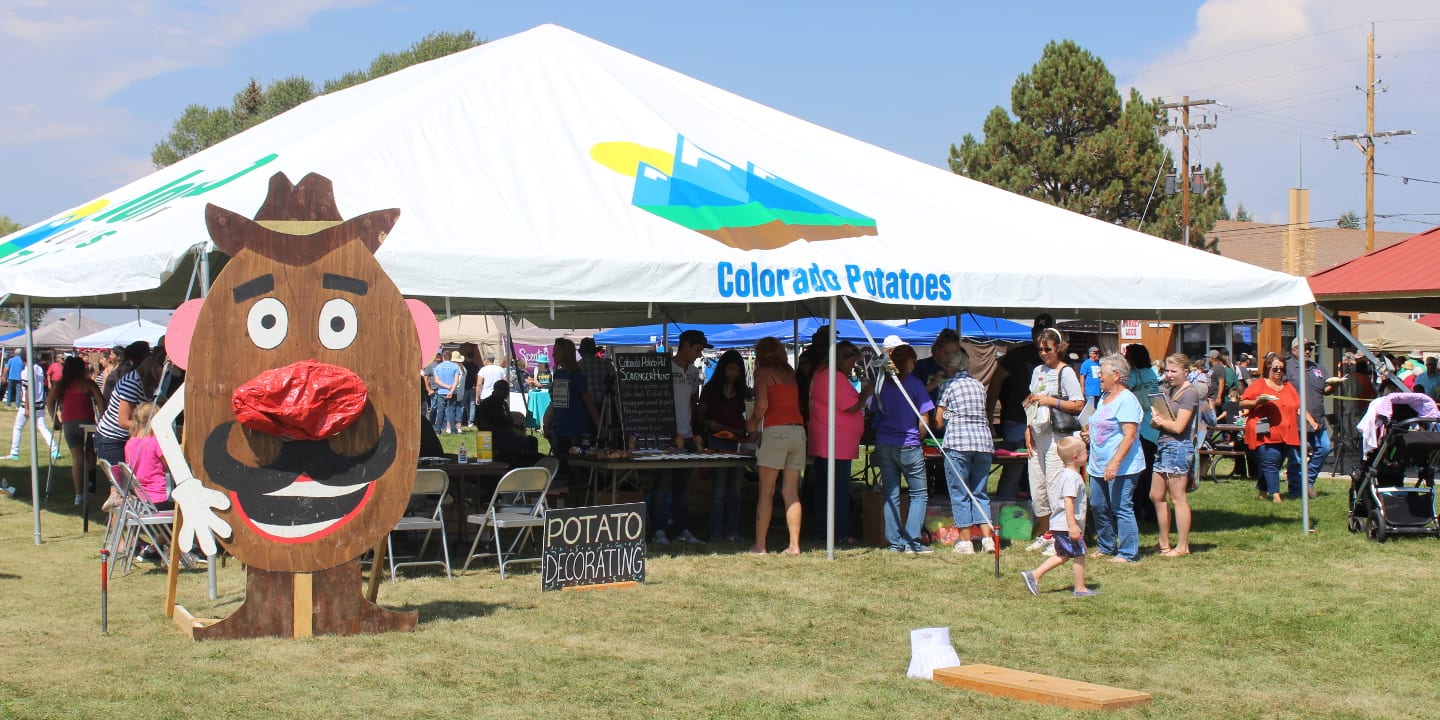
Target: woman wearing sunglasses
1272	429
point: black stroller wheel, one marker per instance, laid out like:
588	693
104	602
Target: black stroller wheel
1355	524
1375	527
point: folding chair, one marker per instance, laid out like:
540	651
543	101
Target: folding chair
517	504
137	516
426	512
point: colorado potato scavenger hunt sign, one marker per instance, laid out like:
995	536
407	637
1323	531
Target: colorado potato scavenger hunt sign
593	546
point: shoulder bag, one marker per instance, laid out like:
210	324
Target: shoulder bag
1063	422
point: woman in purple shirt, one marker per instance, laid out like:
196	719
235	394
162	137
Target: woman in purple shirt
898	451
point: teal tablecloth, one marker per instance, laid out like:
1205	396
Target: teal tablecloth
536	403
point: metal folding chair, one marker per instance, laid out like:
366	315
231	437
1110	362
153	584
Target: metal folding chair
518	504
427	503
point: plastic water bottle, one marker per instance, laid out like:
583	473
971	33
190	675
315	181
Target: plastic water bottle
460	455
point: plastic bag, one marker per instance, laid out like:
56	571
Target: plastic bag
307	400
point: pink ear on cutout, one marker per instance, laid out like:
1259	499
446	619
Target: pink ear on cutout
427	328
182	329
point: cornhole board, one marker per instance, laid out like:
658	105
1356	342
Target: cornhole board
1021	685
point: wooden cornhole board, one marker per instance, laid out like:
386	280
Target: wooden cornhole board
1021	685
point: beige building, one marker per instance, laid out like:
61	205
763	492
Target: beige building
1296	250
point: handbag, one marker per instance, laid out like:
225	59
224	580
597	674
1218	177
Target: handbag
1061	421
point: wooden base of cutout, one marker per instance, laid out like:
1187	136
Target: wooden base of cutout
1021	685
602	586
279	604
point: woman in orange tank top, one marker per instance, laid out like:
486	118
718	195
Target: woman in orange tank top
781	452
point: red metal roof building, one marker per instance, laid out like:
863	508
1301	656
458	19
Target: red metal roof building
1404	277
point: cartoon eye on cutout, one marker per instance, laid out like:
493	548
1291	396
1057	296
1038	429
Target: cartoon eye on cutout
268	323
337	324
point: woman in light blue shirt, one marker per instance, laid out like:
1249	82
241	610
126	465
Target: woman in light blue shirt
1116	463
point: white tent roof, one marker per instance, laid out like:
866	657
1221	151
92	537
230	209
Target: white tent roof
553	176
123	334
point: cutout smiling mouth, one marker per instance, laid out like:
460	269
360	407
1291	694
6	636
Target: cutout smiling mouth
306	492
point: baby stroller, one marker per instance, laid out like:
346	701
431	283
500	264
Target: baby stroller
1399	433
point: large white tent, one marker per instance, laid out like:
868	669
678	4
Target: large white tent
550	175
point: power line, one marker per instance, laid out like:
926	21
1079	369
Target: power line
1408	180
1242	50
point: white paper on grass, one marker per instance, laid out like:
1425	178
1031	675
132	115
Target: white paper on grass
930	650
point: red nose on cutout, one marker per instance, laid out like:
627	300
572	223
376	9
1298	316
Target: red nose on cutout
307	400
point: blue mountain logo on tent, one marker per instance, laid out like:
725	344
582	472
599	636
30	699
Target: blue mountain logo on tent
745	208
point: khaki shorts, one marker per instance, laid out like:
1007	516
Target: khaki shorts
782	448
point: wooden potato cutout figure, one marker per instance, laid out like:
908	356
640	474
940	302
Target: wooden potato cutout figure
300	402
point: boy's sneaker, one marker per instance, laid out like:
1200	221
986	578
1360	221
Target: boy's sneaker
987	544
1085	593
920	549
686	536
659	538
1030	582
965	547
1040	543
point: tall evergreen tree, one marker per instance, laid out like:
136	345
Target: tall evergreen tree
1074	142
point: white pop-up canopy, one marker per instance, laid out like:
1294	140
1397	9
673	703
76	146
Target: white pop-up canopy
553	176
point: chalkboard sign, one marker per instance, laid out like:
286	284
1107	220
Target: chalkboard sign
647	398
593	546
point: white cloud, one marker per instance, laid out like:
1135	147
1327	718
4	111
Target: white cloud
1286	74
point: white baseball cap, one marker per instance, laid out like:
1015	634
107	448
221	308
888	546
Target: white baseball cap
891	342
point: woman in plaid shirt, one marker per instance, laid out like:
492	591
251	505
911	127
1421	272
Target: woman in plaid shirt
969	447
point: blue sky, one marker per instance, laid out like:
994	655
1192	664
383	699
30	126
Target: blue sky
90	87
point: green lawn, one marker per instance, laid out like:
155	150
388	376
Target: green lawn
1261	622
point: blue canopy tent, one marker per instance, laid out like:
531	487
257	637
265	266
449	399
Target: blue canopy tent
973	327
650	334
785	330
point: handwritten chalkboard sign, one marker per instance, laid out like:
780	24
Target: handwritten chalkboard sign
647	398
593	546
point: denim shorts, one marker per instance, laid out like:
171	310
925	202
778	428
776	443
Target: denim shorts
1067	548
1173	457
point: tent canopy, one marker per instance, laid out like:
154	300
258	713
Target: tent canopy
650	334
488	332
1396	333
974	327
551	176
1404	277
60	332
123	334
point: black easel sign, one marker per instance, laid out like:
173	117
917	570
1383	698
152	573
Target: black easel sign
601	545
647	398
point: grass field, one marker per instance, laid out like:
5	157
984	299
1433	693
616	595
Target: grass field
1261	622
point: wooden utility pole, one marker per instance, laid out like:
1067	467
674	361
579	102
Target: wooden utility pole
1368	146
1184	129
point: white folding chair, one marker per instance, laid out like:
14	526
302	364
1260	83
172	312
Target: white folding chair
137	516
518	504
427	503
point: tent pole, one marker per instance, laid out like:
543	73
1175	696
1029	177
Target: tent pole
795	340
29	386
202	252
1301	320
830	444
